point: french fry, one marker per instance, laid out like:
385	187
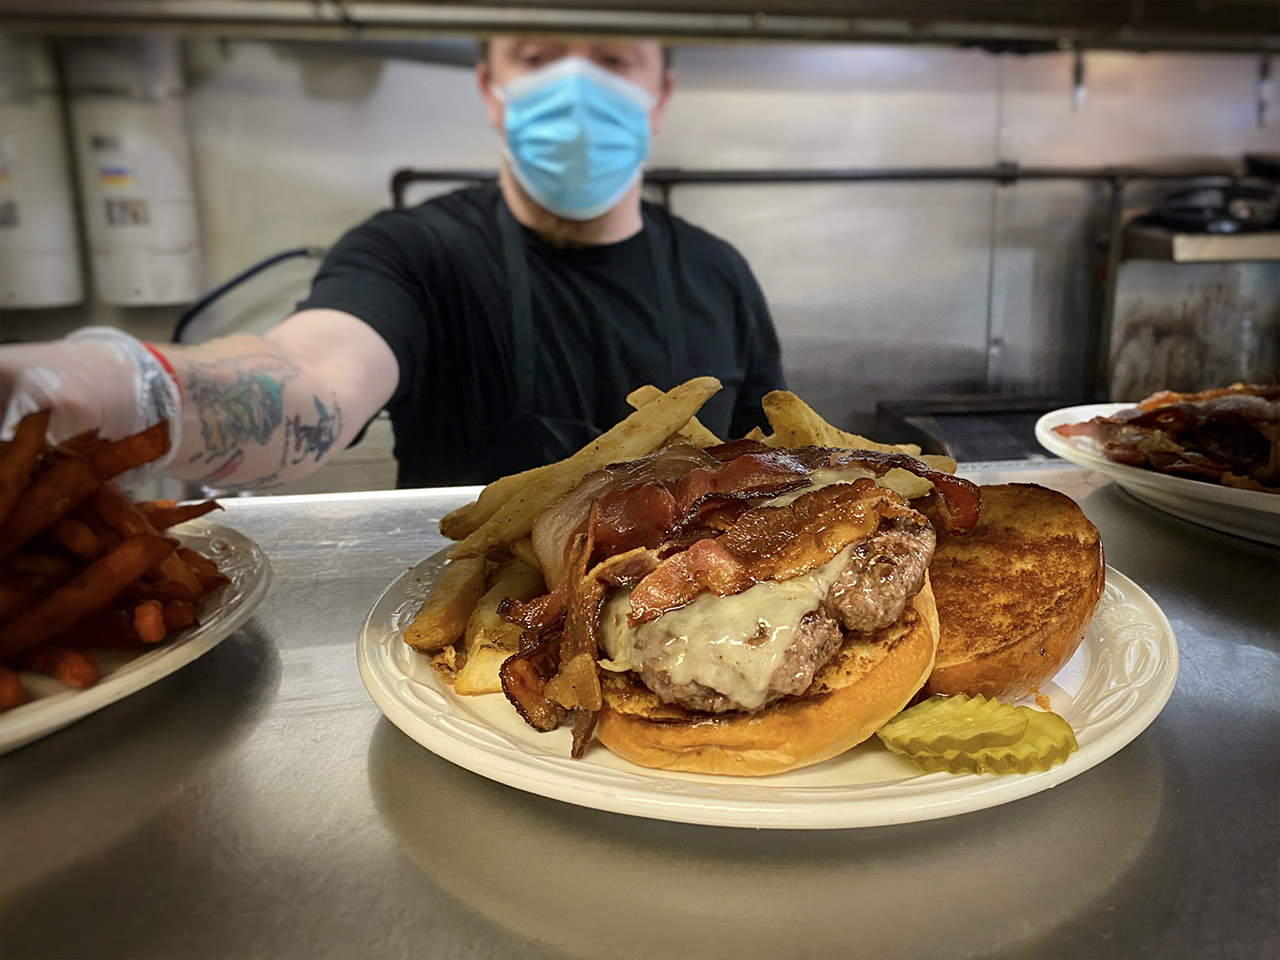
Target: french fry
618	443
75	668
443	617
480	673
19	460
938	462
11	692
164	514
523	551
640	433
796	424
489	638
693	431
90	591
51	495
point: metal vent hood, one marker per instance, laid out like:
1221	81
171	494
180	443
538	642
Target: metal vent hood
1015	25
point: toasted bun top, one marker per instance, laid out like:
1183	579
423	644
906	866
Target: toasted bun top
865	684
1015	594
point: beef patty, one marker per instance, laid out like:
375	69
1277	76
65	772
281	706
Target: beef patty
883	573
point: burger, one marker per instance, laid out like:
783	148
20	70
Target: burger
739	609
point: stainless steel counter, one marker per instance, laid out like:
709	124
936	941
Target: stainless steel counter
256	803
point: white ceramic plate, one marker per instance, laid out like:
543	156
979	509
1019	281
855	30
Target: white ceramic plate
54	705
1111	690
1244	513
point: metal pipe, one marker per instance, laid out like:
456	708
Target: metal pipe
1098	384
1003	174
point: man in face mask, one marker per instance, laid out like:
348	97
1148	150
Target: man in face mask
502	327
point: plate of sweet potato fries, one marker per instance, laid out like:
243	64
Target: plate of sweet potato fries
101	596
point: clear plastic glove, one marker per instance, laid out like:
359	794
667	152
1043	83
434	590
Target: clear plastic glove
97	378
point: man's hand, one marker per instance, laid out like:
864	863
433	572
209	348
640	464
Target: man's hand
244	411
98	379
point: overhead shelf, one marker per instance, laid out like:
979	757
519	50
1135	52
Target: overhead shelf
1015	25
1149	242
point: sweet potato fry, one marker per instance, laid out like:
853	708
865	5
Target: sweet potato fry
165	591
125	517
76	538
89	517
19	459
118	456
90	591
52	494
206	570
112	630
44	565
178	615
24	584
12	600
148	621
164	514
75	668
83	443
11	692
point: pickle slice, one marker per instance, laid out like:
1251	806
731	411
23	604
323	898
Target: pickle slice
1046	738
959	723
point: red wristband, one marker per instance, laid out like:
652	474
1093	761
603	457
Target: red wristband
164	362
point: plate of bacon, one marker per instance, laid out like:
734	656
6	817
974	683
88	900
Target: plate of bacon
1212	458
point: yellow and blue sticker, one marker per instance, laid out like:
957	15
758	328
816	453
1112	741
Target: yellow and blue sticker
115	177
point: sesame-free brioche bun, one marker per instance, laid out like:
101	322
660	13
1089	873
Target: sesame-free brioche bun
868	681
1015	594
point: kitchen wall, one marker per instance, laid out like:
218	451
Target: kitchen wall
877	290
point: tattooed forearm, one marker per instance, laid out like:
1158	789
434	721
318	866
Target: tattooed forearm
252	417
237	401
304	440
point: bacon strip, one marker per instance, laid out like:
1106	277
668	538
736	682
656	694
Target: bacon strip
677	523
524	687
1229	436
768	543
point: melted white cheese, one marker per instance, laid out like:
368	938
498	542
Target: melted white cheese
740	640
824	477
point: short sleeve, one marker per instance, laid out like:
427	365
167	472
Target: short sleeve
369	275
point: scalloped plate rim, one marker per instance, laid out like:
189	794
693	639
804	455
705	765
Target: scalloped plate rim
45	715
636	791
1179	496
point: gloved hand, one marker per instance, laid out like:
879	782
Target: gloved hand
96	378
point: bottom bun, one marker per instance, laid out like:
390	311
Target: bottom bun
869	681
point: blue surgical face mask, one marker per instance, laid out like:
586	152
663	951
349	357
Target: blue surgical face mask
576	136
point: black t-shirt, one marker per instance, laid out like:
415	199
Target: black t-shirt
432	281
